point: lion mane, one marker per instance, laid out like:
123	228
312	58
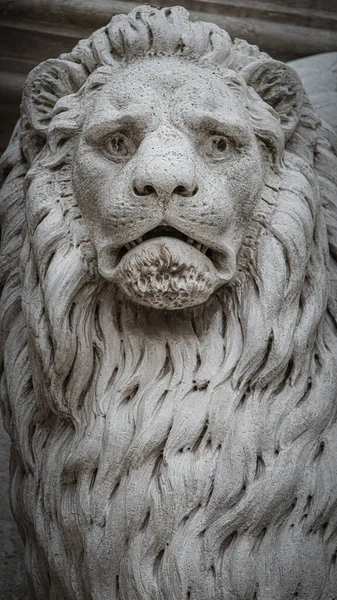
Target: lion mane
169	455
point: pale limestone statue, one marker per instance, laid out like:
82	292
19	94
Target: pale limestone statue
168	321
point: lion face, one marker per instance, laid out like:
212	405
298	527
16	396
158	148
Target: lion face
167	173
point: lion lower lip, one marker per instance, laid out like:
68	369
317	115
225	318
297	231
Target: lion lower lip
167	252
222	261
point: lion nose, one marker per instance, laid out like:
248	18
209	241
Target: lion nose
165	178
141	189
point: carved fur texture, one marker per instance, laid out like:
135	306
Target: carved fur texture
165	455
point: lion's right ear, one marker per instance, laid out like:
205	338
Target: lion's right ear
45	85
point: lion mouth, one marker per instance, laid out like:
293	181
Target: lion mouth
165	268
164	231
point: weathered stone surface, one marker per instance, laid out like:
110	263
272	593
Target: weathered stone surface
169	320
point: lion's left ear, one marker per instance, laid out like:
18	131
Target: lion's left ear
279	86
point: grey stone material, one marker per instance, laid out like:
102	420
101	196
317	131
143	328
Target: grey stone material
168	319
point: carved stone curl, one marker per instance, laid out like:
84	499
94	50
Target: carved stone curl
168	322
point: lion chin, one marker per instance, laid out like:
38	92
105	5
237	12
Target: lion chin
171	454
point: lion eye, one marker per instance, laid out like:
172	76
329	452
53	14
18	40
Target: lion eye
217	146
118	146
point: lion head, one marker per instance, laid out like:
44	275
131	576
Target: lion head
179	176
169	332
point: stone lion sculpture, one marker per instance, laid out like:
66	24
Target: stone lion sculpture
168	321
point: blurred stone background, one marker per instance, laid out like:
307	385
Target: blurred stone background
34	30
